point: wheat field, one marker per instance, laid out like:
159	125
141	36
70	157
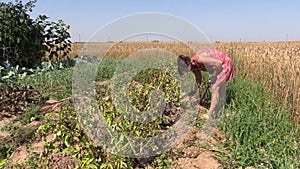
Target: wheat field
276	65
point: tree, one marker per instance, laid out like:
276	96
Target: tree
25	41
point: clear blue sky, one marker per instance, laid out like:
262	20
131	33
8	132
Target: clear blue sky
220	20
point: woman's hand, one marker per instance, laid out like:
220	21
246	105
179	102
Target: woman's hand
193	65
192	93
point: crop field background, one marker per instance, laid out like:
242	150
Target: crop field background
276	65
259	129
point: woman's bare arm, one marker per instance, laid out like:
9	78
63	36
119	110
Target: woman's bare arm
198	78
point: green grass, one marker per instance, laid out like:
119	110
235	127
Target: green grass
260	133
31	114
56	84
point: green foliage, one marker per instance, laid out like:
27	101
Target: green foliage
153	79
3	162
107	68
163	161
70	139
11	75
25	41
5	151
260	133
139	95
53	80
57	39
15	99
31	114
18	137
20	37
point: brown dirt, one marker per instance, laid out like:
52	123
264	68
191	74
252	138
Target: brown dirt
58	161
5	118
22	153
53	105
204	160
196	157
3	122
191	154
63	162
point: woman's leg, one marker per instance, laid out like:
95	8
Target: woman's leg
217	100
215	111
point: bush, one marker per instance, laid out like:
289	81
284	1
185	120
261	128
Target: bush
25	41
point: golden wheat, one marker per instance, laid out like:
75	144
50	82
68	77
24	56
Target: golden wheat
275	65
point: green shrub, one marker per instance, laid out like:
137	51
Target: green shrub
25	41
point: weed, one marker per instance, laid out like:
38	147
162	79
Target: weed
259	131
